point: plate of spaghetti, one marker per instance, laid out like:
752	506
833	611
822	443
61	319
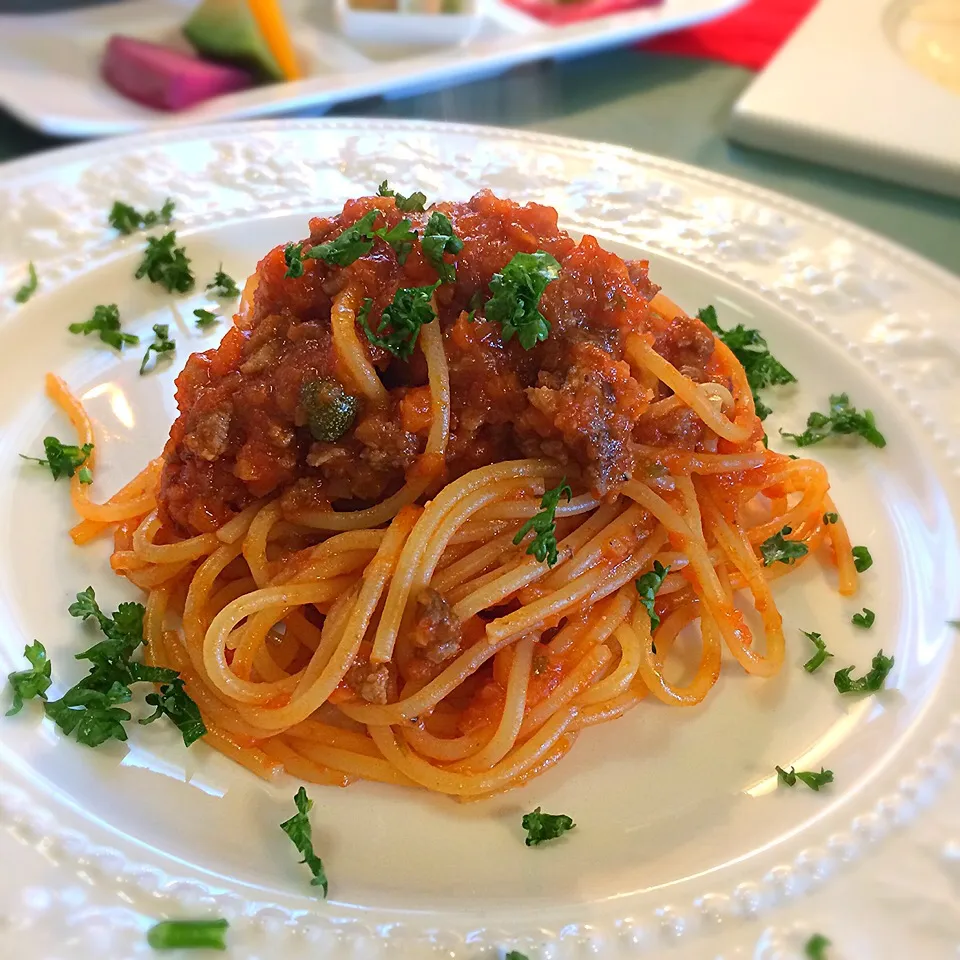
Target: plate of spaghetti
547	562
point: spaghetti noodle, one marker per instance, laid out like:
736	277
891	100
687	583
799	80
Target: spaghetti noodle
363	606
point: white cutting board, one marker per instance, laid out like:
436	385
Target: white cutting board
844	91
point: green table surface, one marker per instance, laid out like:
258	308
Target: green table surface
671	106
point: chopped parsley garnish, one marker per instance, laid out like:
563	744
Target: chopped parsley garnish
815	948
293	258
438	239
750	348
205	318
167	264
125	219
30	287
297	828
864	619
106	322
829	518
647	586
27	684
517	289
188	935
64	459
515	955
870	682
842	419
543	546
174	702
412	204
777	548
91	708
162	345
223	285
403	317
862	559
822	654
813	780
352	244
401	238
541	827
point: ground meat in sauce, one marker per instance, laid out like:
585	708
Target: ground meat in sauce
436	628
242	432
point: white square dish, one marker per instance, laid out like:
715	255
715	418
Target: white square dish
848	90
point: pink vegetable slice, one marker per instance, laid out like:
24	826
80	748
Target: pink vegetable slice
163	78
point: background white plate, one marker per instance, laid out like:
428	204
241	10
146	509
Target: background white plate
683	839
49	65
841	91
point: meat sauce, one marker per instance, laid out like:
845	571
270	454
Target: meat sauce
242	431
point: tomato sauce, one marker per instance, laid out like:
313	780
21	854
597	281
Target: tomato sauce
242	432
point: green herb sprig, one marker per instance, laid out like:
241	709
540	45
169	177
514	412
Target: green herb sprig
542	827
298	829
516	290
751	349
813	780
543	546
64	460
105	322
842	420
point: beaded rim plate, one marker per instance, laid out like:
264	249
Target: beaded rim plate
683	837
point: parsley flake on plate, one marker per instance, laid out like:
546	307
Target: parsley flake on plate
30	287
813	780
205	318
402	318
27	684
174	702
647	586
822	654
125	219
166	264
815	948
515	955
91	708
541	826
439	238
750	348
188	935
162	345
864	619
870	682
400	238
843	419
412	204
298	829
543	546
106	322
352	244
517	289
862	559
64	460
778	549
223	286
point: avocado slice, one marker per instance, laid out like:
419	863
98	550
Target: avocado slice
227	30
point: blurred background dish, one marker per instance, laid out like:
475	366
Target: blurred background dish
52	79
869	85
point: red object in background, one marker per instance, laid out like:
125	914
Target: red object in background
559	14
748	37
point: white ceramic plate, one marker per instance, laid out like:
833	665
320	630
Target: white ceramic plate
49	64
857	87
683	838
